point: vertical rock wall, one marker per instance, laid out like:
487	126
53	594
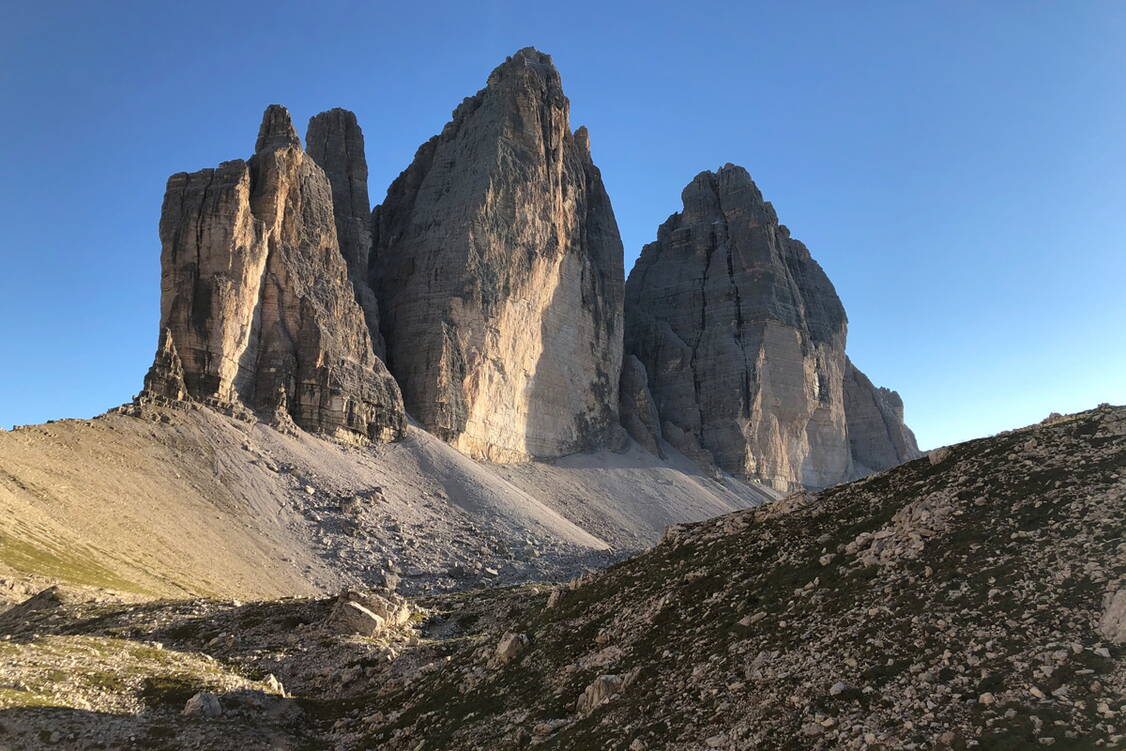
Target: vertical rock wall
743	339
877	435
256	305
498	268
336	143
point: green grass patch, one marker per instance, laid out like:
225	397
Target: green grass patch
47	560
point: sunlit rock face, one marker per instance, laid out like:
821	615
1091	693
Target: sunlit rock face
743	339
498	268
256	305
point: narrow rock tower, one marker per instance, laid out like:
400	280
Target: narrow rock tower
742	337
256	304
498	268
336	143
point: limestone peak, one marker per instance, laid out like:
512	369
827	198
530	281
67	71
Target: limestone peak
277	130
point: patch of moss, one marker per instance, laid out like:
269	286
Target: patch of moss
47	560
11	698
168	691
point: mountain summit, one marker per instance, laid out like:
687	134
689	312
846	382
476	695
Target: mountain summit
256	308
498	267
490	282
743	340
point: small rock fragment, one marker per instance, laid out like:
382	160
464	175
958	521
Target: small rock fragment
1112	625
510	646
204	704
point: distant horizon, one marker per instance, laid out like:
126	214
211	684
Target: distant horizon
956	170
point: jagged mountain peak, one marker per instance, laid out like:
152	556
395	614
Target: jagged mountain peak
525	60
742	336
276	130
728	189
256	308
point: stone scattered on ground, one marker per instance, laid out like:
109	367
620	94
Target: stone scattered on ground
968	604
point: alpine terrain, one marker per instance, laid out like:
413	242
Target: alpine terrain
436	474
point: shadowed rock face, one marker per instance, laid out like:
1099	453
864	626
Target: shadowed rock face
498	268
638	412
877	435
336	143
256	305
743	339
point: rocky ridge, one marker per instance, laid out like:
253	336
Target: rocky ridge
742	337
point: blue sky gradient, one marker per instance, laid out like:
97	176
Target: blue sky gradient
958	168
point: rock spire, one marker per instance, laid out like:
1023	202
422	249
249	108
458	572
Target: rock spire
256	304
336	143
498	267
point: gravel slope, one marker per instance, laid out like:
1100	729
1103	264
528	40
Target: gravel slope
186	501
974	598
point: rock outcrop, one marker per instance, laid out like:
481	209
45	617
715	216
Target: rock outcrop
256	304
638	412
498	268
743	339
878	438
335	142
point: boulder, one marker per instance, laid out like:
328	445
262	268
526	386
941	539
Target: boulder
368	613
510	647
601	690
203	704
1112	624
349	617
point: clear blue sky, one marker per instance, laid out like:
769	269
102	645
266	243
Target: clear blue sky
958	168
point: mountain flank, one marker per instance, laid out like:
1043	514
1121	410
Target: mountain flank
182	500
973	598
